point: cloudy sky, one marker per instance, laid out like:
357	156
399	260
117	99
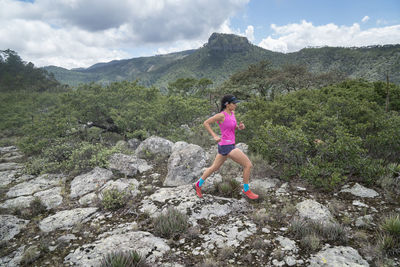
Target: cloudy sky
80	33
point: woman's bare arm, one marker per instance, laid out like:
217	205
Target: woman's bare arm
216	118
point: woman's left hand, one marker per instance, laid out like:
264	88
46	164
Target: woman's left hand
241	126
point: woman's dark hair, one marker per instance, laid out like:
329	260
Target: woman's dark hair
225	101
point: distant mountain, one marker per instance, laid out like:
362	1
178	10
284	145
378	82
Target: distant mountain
225	54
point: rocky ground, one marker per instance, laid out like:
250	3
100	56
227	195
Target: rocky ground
74	229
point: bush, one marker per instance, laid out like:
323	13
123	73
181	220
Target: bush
37	207
324	231
228	188
113	199
171	223
123	259
282	145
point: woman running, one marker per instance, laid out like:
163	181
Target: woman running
226	144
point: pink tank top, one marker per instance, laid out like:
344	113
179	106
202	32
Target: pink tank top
228	127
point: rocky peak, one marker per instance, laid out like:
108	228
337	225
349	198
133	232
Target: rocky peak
228	42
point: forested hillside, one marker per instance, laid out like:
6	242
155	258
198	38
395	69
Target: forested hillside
16	75
226	54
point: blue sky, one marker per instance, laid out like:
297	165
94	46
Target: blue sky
80	33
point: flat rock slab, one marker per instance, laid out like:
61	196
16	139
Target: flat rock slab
66	219
125	239
10	226
40	183
228	235
18	202
51	198
7	177
360	191
338	256
89	182
10	166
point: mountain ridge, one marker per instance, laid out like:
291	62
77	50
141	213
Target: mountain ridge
225	54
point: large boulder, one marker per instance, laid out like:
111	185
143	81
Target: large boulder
314	211
88	182
154	147
185	165
128	164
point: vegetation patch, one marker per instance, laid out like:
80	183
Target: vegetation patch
170	224
123	259
113	199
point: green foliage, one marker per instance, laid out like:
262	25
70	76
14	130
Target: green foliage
228	188
123	259
16	75
312	233
113	199
389	235
31	254
326	135
171	223
37	207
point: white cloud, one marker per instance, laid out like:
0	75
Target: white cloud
249	33
293	37
78	33
365	19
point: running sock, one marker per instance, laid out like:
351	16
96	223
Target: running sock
200	182
246	187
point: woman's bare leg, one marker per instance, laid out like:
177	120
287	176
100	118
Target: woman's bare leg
218	161
239	157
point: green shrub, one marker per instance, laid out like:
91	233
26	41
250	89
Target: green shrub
123	259
113	199
170	223
37	207
324	231
310	243
391	225
228	188
31	254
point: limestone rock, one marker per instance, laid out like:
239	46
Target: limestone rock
65	219
133	143
10	166
185	165
154	146
231	235
128	164
338	256
10	226
242	146
360	191
40	183
312	210
7	177
129	186
51	198
88	182
19	202
13	259
287	244
119	240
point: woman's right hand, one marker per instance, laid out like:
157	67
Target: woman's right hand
217	138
